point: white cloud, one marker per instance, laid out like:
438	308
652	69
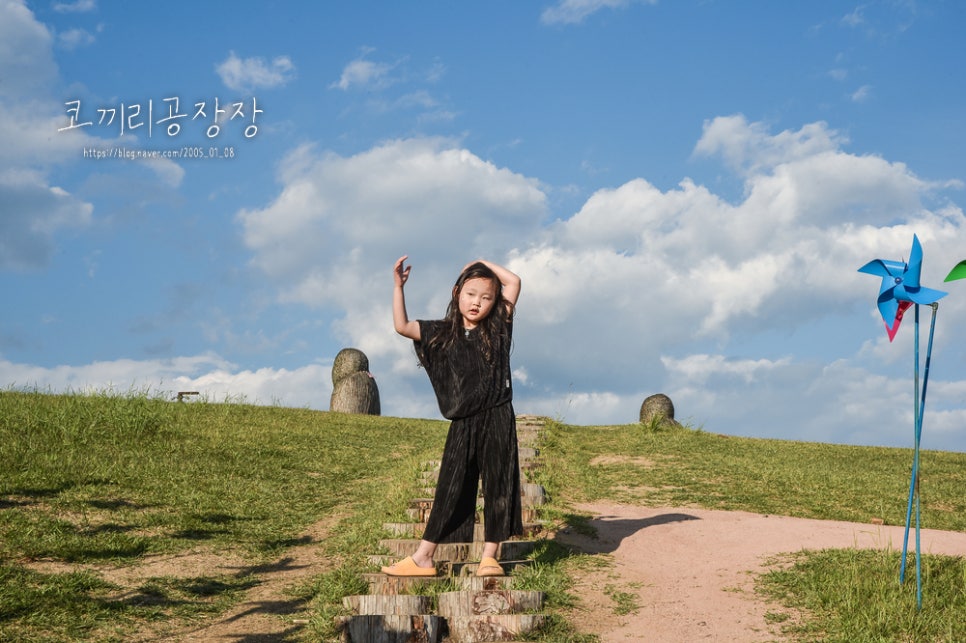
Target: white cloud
365	74
750	148
79	6
619	297
211	376
75	38
861	94
335	215
838	74
575	11
854	18
733	309
246	74
381	88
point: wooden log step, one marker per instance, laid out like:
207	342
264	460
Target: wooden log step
393	628
482	583
493	627
378	560
402	547
385	604
488	601
458	552
515	549
379	583
530	465
535	492
467	570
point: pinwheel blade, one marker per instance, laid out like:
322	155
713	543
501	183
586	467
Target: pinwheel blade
923	296
911	279
884	268
958	272
900	309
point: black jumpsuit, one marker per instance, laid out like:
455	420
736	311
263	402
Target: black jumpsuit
476	395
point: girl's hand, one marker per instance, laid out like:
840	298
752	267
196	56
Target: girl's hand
400	272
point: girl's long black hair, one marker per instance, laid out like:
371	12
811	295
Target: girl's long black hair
491	327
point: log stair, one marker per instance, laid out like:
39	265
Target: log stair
474	609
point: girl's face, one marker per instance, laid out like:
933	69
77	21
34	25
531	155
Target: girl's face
476	300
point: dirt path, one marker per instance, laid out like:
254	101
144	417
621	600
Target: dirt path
693	569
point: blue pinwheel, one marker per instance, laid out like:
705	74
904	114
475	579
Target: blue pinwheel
900	290
900	287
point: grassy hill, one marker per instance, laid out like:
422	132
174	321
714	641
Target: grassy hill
93	481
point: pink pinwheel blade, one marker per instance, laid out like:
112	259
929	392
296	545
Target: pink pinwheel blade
903	305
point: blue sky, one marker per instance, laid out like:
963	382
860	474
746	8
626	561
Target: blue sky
687	190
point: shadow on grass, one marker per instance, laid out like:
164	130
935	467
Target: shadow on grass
207	526
26	496
278	566
174	592
115	504
133	548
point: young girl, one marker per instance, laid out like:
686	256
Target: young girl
467	358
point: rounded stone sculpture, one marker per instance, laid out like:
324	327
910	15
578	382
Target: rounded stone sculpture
658	408
354	388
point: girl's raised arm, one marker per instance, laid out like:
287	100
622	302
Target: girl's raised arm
511	282
400	318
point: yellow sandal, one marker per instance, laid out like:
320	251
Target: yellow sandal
489	567
408	567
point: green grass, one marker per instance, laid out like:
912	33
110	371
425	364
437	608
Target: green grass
111	479
683	467
91	482
849	595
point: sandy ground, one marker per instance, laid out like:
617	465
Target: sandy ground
693	569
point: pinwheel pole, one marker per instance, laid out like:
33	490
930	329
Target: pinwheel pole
919	405
900	289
